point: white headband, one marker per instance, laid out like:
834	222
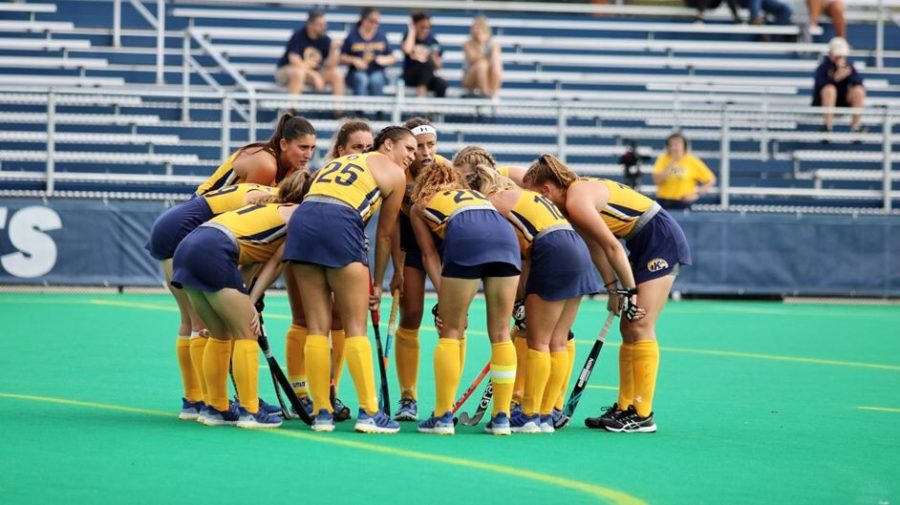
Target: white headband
424	129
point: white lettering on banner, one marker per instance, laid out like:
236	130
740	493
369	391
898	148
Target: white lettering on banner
36	251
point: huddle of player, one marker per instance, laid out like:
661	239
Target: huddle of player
532	239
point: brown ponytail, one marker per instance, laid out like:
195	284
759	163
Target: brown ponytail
546	169
474	156
486	180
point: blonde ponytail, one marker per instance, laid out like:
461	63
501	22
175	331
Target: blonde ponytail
546	169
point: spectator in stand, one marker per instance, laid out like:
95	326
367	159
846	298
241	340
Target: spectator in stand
483	70
680	177
834	9
838	84
711	5
423	57
302	62
367	52
759	9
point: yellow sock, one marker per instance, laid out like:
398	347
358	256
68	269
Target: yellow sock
645	358
462	353
521	344
337	356
358	352
294	355
537	364
216	357
318	371
558	372
406	354
503	375
570	365
198	345
192	390
245	363
446	374
626	376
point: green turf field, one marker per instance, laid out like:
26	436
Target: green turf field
756	403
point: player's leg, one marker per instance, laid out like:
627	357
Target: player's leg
406	350
234	309
187	344
216	358
560	362
454	297
295	342
541	317
313	287
500	296
350	285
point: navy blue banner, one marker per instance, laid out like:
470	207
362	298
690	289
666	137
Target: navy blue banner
82	242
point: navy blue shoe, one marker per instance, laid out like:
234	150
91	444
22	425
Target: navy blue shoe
498	425
324	421
515	410
272	410
523	423
408	411
341	411
547	424
260	421
378	423
442	425
190	410
221	417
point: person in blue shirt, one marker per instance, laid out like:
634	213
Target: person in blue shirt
837	83
423	57
310	58
367	52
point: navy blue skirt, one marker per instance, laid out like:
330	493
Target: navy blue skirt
173	225
478	238
561	267
207	260
326	234
658	249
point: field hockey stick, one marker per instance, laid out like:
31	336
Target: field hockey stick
586	370
385	400
462	399
392	326
482	407
279	379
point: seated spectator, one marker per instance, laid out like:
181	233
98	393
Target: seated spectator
710	5
834	9
680	177
304	55
367	52
423	57
838	84
759	9
483	68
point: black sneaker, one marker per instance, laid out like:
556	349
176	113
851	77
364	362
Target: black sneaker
609	413
631	422
341	411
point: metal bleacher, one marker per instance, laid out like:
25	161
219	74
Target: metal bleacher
94	107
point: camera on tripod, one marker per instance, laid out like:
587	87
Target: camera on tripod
632	160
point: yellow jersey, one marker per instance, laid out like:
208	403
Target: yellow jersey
533	214
233	197
623	208
504	171
685	176
348	179
257	229
446	204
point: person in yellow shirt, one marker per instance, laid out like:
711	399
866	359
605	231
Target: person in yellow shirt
680	177
604	213
208	266
328	253
353	137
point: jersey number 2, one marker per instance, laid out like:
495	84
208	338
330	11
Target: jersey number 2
343	175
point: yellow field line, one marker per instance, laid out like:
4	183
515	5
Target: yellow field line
880	409
705	352
607	494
